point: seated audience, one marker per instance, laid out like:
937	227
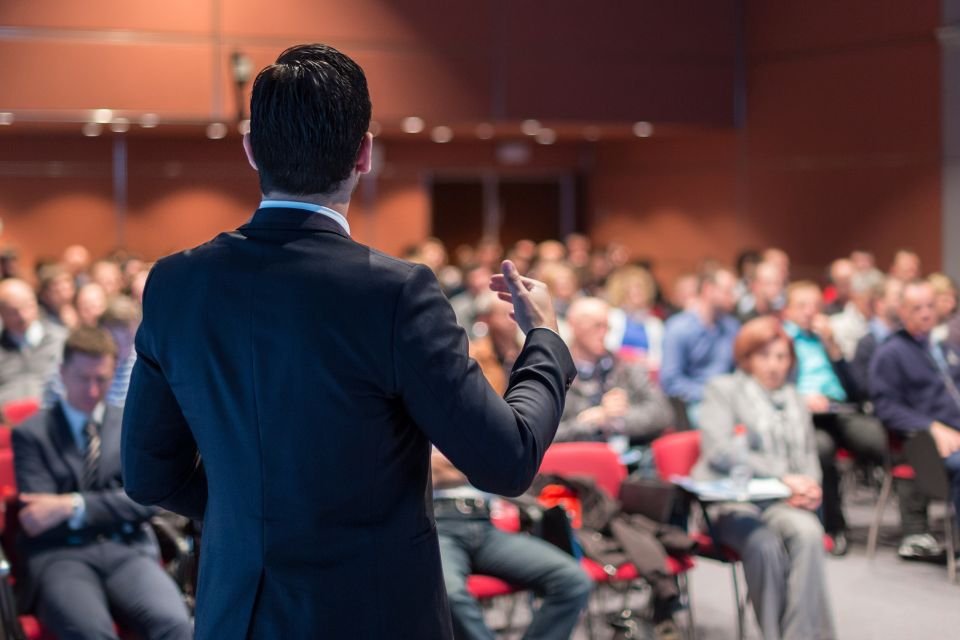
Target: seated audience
76	260
853	321
884	320
635	332
698	343
120	320
564	285
863	261
55	296
779	259
469	543
944	303
88	551
476	279
91	302
764	296
913	383
779	542
497	342
905	266
30	347
837	294
824	383
109	276
611	396
682	293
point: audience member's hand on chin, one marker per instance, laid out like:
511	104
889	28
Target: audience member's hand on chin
532	306
817	403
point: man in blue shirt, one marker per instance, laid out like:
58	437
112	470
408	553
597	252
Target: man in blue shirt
698	343
913	382
825	384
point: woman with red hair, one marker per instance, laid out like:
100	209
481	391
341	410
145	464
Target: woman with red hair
779	541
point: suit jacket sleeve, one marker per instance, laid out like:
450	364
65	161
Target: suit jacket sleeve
160	459
498	443
887	389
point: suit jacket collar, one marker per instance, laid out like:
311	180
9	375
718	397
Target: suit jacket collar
62	437
293	220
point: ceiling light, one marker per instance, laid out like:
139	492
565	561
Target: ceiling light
530	127
412	124
374	128
149	120
441	134
102	116
92	129
120	125
6	118
643	129
216	130
243	127
546	136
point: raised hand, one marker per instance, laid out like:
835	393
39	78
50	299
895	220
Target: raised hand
532	306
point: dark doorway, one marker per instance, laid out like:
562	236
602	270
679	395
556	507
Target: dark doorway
510	208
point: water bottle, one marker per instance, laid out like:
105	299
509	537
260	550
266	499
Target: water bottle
740	472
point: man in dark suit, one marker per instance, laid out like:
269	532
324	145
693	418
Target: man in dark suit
289	383
86	546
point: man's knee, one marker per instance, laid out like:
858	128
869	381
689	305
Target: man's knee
765	546
804	531
572	583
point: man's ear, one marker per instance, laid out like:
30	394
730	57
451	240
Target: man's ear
365	156
247	149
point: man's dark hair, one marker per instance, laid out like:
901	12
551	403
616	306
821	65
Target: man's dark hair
308	115
89	341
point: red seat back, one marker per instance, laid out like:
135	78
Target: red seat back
676	453
8	478
16	411
594	460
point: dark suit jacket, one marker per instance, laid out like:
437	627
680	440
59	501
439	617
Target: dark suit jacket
310	374
46	460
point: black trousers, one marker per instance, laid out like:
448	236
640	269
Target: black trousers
864	437
84	588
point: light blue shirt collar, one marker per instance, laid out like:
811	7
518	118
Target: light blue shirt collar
77	420
307	206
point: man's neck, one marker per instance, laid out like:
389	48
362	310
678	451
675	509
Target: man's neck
334	202
581	355
705	312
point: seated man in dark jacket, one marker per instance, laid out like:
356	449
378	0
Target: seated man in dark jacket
914	384
824	382
86	546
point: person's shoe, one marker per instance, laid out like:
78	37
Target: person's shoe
840	545
920	546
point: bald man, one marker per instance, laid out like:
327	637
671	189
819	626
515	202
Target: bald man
610	397
30	348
